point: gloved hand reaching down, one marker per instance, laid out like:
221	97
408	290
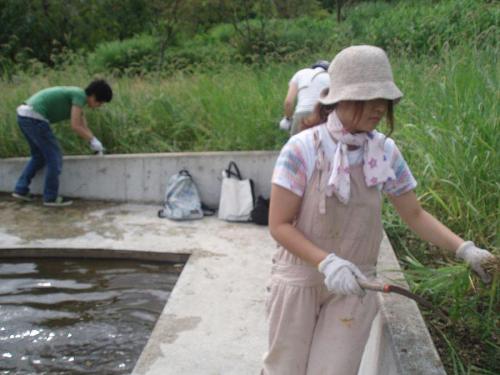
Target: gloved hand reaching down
475	258
285	124
96	145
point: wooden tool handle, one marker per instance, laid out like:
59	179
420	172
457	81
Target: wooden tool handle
371	285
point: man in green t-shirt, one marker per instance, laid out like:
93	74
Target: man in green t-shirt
34	117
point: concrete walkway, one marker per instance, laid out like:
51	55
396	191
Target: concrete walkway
213	322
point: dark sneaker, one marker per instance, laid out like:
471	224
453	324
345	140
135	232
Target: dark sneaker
23	197
58	202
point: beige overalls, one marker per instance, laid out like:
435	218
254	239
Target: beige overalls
312	331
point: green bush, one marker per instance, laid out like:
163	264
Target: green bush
280	40
198	55
415	28
275	40
42	27
135	55
220	33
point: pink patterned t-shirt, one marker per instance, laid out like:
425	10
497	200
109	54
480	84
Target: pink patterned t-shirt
296	162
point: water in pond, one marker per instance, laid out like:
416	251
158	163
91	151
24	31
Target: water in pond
79	316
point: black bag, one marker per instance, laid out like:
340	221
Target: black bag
260	214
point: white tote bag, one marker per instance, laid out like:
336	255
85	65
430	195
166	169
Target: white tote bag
236	196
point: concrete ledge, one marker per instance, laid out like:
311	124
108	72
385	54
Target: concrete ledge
400	342
65	253
142	178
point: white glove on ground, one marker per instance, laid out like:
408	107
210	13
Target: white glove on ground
96	145
341	275
474	257
285	124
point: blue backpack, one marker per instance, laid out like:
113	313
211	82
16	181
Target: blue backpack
182	200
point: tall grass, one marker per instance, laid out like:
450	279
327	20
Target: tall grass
469	342
234	109
449	134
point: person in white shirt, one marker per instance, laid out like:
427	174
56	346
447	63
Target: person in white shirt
304	90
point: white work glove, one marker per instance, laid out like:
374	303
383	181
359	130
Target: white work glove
96	145
285	124
475	257
341	276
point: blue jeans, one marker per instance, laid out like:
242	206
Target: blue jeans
45	151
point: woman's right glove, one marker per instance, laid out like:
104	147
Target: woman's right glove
475	258
341	276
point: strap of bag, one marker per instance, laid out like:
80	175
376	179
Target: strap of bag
236	172
207	211
252	188
185	172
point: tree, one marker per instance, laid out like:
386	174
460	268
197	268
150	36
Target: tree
168	24
43	27
295	8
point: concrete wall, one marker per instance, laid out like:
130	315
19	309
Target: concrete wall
399	340
143	177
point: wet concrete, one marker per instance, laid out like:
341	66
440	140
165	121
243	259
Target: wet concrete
33	221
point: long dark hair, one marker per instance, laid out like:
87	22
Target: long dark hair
321	112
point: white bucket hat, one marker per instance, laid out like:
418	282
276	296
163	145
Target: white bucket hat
361	73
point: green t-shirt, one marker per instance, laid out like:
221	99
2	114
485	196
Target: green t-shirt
55	103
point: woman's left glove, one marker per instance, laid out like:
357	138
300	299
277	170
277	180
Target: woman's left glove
341	276
475	258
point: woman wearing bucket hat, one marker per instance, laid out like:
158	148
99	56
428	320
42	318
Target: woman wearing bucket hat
325	213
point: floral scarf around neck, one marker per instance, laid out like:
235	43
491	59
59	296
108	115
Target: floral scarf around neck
376	167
